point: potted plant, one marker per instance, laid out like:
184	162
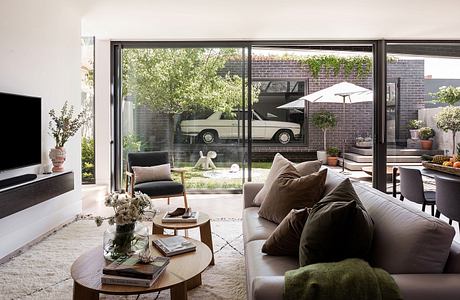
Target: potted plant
414	126
324	120
332	153
365	142
449	119
426	136
62	128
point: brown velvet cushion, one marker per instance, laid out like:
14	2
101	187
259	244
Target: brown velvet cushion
292	191
286	237
338	227
279	162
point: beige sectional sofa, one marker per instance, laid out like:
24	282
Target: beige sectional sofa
415	248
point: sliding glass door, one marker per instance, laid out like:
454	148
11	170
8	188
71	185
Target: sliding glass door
191	102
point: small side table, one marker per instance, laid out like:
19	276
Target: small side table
203	223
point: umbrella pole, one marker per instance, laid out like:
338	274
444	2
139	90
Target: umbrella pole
343	136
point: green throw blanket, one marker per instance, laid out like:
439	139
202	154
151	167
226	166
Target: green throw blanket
350	279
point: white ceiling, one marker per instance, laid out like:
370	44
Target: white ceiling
187	20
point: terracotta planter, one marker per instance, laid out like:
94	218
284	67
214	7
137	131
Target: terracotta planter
58	156
332	161
426	144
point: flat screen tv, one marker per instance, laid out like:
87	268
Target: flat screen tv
20	131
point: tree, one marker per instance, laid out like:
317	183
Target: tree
449	119
181	80
324	120
447	94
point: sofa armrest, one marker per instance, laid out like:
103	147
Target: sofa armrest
428	286
250	190
268	288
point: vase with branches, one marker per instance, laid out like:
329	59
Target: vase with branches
62	127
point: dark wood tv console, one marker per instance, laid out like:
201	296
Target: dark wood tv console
43	188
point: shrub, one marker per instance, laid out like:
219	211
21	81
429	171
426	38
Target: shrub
415	124
87	159
426	133
449	119
333	151
447	94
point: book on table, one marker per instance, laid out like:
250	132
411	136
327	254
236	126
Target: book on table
174	245
193	218
128	271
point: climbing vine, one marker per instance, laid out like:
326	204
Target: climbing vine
362	65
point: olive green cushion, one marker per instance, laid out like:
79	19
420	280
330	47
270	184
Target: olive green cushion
338	227
292	191
286	237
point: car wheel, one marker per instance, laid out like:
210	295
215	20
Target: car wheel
284	136
208	136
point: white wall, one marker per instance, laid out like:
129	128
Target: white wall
102	123
272	19
40	56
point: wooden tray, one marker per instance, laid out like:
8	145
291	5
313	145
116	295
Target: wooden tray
440	168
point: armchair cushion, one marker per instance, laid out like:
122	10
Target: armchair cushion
160	188
153	173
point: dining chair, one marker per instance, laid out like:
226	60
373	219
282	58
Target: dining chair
411	186
162	188
448	199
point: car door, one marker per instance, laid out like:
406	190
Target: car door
258	127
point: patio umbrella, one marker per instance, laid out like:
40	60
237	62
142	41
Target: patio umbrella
343	92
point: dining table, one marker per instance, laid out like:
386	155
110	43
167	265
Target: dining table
425	172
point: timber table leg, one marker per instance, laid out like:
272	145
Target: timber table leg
157	229
179	291
206	237
82	293
194	282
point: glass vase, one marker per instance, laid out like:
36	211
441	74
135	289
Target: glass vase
125	240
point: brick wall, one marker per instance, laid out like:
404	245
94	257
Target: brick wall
153	127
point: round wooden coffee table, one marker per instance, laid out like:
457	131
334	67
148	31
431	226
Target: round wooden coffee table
182	273
203	223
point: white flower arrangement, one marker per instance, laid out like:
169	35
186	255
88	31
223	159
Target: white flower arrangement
127	209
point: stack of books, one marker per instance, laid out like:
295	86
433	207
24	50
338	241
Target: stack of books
181	215
129	271
174	245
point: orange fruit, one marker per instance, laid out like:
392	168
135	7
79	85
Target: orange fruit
457	164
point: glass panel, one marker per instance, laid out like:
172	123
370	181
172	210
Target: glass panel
87	101
188	101
416	74
285	76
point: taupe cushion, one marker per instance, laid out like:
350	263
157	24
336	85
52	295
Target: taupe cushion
153	173
337	228
286	237
279	162
292	191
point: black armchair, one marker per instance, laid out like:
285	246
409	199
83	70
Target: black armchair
155	189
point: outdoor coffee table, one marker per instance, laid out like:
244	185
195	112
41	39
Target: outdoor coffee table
182	273
203	223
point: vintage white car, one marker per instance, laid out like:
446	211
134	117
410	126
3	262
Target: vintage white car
226	126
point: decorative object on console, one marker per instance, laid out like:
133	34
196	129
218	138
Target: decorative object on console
126	235
62	127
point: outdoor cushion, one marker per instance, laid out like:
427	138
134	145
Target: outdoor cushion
292	191
286	237
159	188
152	173
337	228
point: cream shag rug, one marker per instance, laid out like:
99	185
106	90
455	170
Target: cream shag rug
43	271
